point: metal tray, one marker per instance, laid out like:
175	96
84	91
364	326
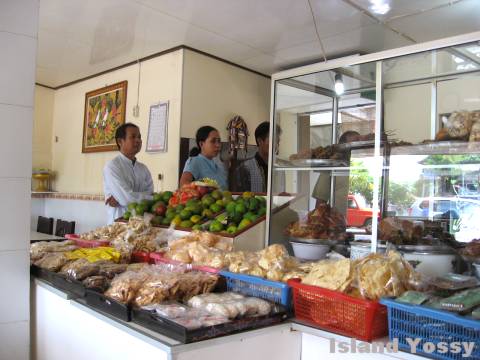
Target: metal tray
170	328
107	305
320	162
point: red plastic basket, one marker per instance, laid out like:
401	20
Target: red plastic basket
339	313
140	257
86	243
158	258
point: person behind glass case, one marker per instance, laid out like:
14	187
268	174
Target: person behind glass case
201	163
321	191
125	179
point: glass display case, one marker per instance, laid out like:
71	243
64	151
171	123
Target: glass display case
377	149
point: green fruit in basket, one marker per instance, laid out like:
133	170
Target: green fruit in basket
250	216
176	220
157	197
216	194
230	207
207	200
132	206
186	224
215	226
253	204
236	218
166	195
196	219
197	227
232	229
207	213
166	221
261	200
179	208
244	223
170	212
127	215
240	208
215	208
140	209
185	214
262	211
197	209
227	194
191	202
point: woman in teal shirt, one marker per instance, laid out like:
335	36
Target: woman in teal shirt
201	163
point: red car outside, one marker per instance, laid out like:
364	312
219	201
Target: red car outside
356	215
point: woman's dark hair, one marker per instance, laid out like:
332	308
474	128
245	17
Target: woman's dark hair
121	132
202	135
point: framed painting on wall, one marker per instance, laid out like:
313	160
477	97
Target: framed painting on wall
104	113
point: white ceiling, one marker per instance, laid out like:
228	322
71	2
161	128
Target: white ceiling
84	37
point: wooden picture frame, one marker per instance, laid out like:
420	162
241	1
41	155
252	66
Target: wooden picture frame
104	113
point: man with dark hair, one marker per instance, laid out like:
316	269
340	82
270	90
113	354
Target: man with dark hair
126	180
252	174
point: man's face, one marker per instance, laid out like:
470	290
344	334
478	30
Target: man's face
132	144
263	146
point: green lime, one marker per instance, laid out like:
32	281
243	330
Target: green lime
230	207
232	229
262	211
126	215
166	221
157	197
140	209
236	218
186	224
195	219
249	215
220	202
197	227
261	200
240	208
216	194
207	213
145	203
248	195
179	208
191	203
185	214
170	212
176	220
215	226
207	200
253	204
166	195
197	209
132	206
215	208
243	224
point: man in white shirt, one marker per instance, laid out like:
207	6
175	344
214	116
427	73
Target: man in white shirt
126	180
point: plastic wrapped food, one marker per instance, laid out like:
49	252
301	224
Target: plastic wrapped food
97	282
79	269
124	287
110	270
41	248
414	297
52	261
452	281
95	254
333	275
171	310
463	301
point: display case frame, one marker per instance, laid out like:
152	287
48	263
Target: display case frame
378	59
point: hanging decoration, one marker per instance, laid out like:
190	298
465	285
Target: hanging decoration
237	135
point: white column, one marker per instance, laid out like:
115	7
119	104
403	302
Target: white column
18	44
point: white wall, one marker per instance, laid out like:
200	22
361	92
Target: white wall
459	94
18	41
214	92
42	128
77	172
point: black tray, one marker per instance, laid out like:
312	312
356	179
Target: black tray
178	332
74	287
112	307
40	273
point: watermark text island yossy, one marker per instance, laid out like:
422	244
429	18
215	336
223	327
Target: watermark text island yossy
465	348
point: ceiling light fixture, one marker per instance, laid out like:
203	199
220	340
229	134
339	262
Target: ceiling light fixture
380	7
339	87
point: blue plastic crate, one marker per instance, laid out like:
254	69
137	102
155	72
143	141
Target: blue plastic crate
431	325
275	291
